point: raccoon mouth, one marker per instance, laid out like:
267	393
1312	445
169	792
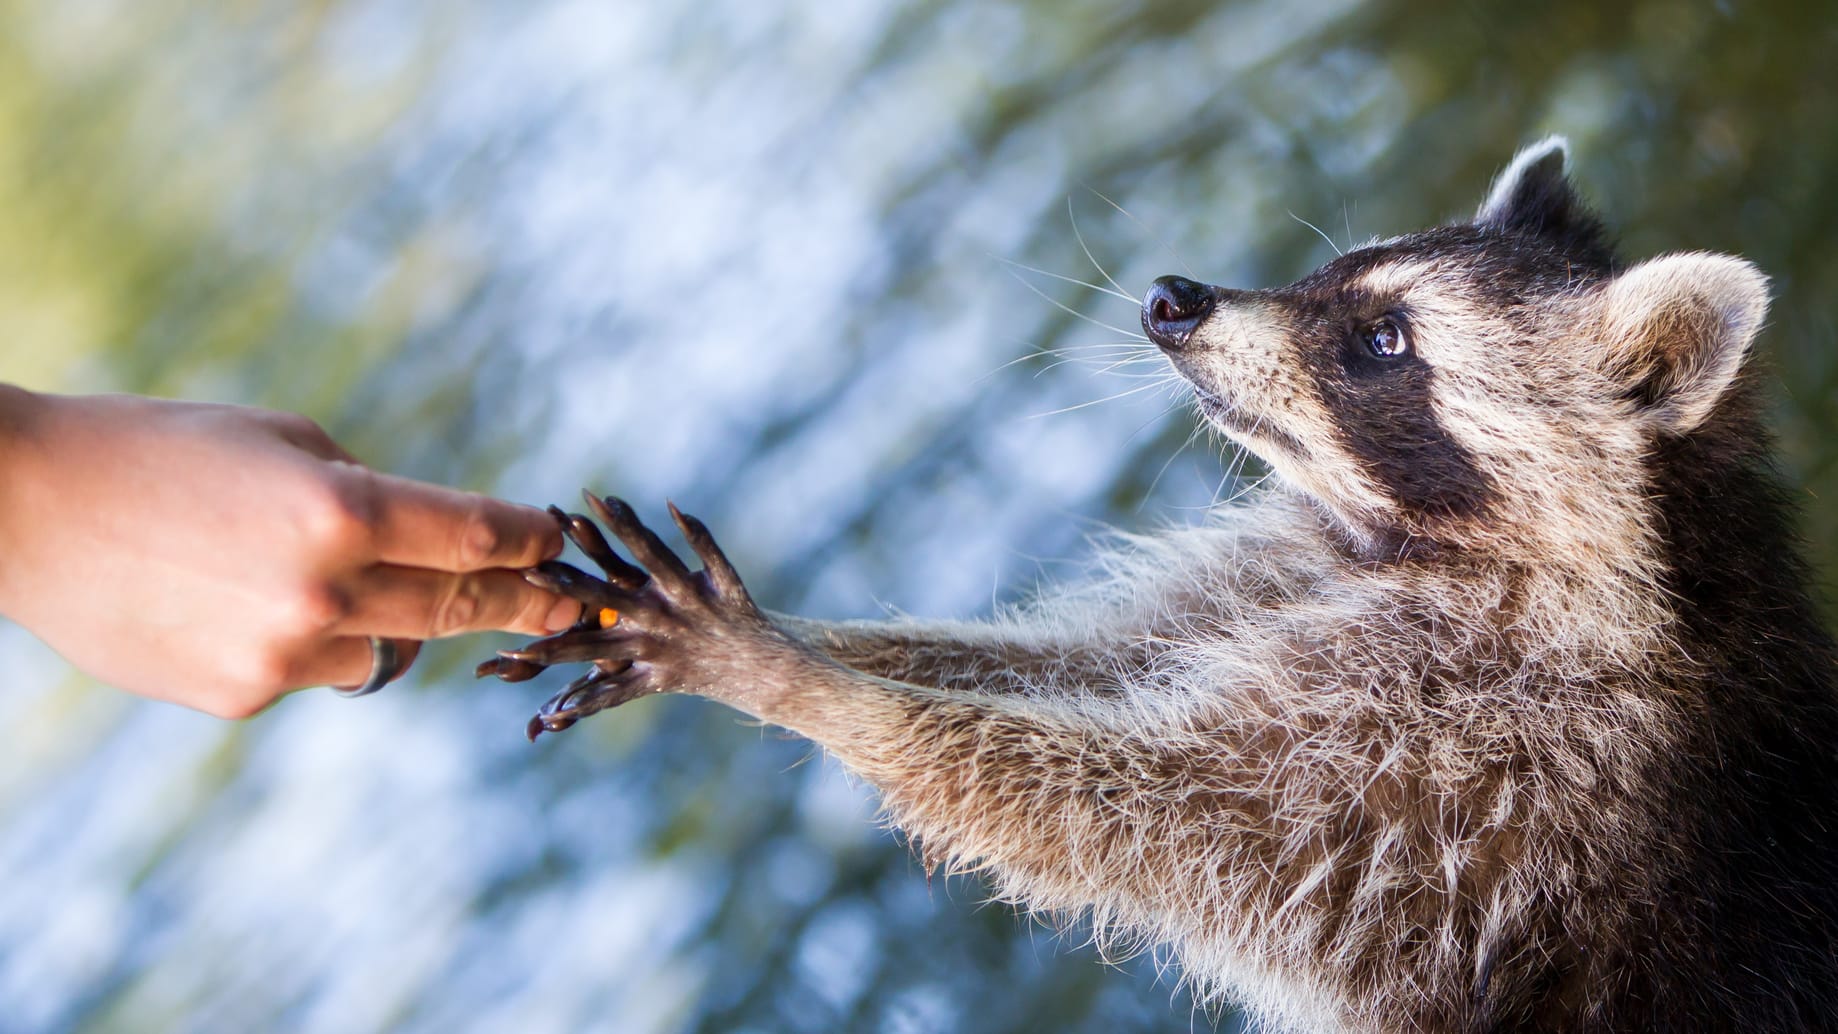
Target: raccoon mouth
1235	422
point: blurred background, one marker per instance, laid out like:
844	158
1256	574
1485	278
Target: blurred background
798	267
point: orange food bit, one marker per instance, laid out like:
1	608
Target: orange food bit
608	617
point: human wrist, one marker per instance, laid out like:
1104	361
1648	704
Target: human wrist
21	414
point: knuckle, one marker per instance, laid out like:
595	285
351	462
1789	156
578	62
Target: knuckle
313	607
531	613
479	540
236	707
295	425
337	515
456	609
257	675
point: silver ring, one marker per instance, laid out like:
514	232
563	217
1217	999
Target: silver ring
385	662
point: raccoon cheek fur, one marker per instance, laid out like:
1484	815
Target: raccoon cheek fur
1508	709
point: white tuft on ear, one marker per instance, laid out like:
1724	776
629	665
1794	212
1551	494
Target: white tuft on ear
1676	330
1536	170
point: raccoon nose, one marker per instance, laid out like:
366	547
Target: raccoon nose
1172	309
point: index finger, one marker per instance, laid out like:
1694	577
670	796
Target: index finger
443	529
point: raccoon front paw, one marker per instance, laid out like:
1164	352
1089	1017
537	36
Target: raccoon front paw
651	629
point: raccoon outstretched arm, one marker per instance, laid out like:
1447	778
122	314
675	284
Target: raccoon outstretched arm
1016	652
1071	799
1004	656
1090	639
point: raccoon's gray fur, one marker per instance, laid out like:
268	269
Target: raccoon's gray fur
1507	710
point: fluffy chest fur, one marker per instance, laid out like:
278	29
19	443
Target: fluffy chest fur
1373	780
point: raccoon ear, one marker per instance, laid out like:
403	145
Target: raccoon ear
1676	329
1534	196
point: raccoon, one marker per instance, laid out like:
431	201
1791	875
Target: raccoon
1507	708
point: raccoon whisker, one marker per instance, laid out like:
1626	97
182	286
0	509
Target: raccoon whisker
1218	495
1138	346
1154	482
1065	353
1073	218
1114	292
1130	375
1318	233
1244	460
1131	359
1235	471
1124	350
1246	489
1070	311
1134	375
1160	239
1157	418
1127	392
1234	467
1134	360
1044	353
1068	360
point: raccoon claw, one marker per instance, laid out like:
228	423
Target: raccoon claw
718	575
508	669
587	538
665	567
596	691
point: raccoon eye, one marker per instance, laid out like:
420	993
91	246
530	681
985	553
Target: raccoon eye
1385	339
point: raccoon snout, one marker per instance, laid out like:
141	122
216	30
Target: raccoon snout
1172	309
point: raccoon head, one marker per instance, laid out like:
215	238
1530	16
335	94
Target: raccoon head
1493	384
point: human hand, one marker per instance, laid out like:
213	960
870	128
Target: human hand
220	556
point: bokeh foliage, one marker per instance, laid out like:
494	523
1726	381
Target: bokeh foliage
756	257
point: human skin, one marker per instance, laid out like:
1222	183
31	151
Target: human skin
220	556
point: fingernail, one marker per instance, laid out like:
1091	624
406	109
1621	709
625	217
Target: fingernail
563	615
